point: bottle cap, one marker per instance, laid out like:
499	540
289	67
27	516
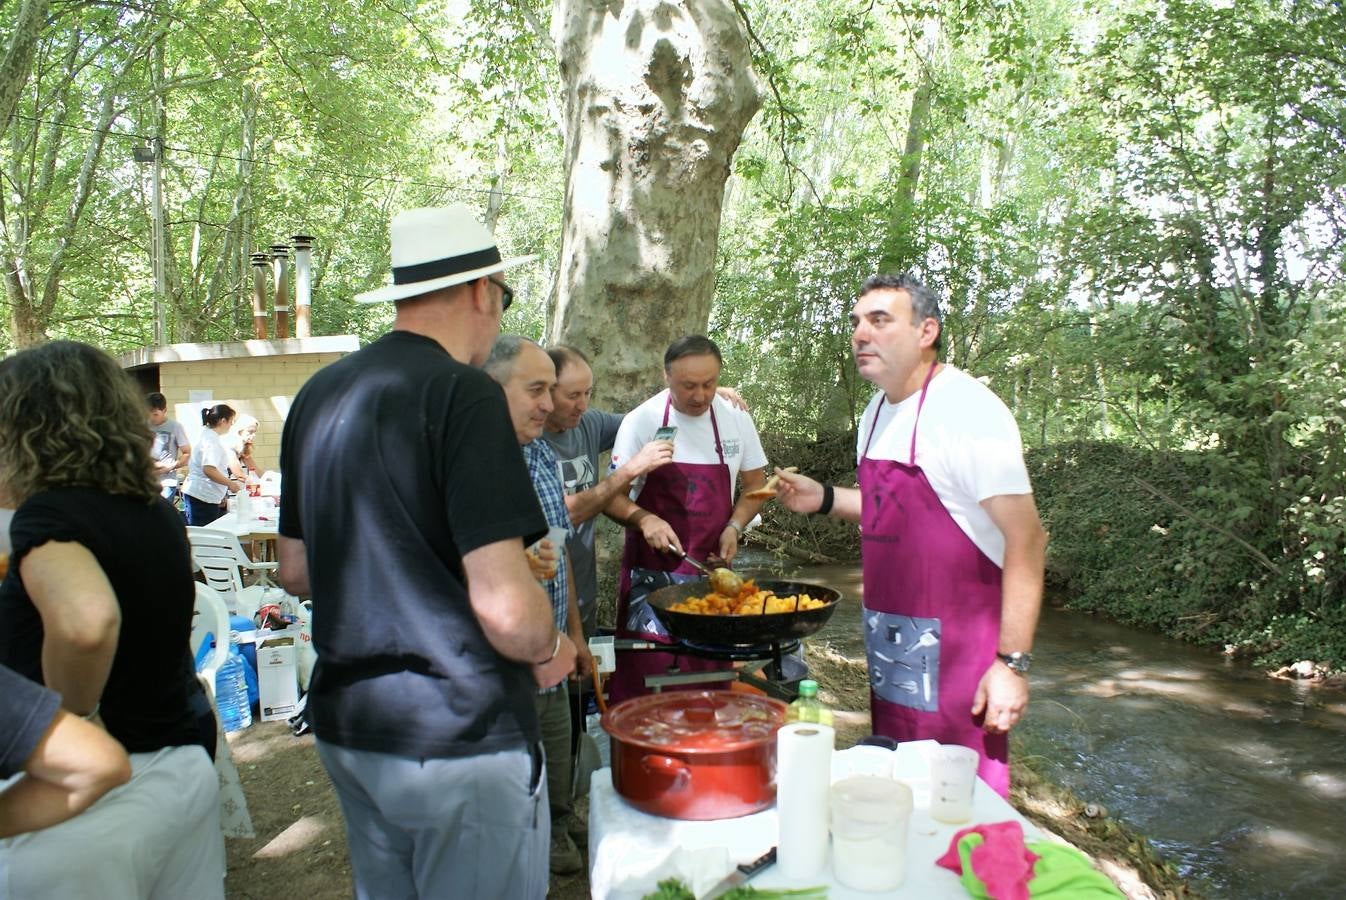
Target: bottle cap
808	688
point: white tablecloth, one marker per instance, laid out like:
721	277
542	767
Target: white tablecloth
630	851
250	525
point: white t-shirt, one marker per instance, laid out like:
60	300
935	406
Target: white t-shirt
207	451
967	444
695	440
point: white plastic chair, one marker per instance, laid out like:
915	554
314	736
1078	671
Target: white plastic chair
221	559
210	617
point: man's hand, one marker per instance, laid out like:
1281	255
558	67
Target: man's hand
584	662
554	671
798	493
1003	695
650	457
734	398
542	558
660	535
728	544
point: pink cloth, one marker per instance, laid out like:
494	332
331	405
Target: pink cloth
1001	860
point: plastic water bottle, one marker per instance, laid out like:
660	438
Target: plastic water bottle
807	707
231	693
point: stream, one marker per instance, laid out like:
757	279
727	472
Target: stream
1237	778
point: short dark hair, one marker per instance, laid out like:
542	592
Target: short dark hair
924	302
563	355
691	345
156	400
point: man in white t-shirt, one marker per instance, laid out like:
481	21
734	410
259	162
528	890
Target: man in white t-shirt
952	546
686	506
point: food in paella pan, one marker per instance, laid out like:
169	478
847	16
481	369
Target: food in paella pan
750	601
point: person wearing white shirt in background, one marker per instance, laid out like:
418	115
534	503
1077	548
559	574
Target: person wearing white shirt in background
238	441
208	481
685	507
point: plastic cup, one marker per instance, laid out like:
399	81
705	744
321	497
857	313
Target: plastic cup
953	775
869	832
556	535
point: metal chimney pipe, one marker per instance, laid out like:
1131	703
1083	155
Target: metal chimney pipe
280	257
260	262
303	285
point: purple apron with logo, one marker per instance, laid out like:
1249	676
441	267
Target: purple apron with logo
931	616
696	500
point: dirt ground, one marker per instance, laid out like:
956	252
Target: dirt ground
300	847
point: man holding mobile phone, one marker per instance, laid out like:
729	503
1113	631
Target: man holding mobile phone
684	508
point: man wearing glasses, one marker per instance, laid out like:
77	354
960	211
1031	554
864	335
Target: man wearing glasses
405	508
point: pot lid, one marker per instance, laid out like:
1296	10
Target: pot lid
692	721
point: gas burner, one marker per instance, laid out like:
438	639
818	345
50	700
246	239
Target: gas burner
735	651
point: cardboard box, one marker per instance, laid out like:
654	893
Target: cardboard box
277	675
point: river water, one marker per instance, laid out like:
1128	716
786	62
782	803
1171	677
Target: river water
1238	779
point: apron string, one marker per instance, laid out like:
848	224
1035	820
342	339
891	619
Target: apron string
714	424
925	386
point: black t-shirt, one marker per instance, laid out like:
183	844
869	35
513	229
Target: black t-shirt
396	462
152	699
27	710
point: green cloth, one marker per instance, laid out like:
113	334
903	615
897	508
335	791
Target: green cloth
1061	873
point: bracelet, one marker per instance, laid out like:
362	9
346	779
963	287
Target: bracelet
826	506
92	714
737	527
556	648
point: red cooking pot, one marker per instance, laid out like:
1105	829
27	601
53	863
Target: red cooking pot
695	754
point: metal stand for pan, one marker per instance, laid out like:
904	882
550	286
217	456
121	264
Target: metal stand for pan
767	660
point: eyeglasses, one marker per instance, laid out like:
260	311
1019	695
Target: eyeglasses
506	293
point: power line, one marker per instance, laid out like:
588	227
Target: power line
288	165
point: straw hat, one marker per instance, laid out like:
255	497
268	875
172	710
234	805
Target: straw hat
436	247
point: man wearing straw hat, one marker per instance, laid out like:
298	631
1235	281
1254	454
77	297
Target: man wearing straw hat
405	508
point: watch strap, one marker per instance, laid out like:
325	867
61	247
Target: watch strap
1017	662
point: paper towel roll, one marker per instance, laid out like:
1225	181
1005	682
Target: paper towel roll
803	777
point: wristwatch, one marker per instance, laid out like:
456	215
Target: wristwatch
1018	663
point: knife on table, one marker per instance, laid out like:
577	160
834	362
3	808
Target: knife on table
741	875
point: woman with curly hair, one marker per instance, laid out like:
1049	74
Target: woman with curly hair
97	605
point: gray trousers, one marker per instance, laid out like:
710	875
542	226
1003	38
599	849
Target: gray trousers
471	827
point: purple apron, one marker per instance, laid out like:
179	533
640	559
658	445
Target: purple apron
696	500
931	615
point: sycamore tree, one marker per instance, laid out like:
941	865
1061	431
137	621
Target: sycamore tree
656	98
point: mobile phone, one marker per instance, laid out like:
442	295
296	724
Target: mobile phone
666	433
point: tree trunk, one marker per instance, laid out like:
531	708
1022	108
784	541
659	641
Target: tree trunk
657	96
18	58
896	251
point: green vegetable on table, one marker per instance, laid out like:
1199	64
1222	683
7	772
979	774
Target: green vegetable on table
673	889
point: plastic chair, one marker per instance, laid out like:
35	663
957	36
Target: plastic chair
222	561
210	617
